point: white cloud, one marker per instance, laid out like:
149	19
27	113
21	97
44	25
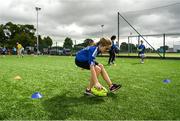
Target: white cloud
80	19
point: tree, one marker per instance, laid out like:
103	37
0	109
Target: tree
68	43
87	42
45	42
124	47
2	36
11	33
25	34
132	47
163	48
48	41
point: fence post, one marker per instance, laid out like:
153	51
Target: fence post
118	29
164	44
128	47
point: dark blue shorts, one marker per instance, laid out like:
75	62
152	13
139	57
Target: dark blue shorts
84	65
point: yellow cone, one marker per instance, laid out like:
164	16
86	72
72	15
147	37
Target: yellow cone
17	78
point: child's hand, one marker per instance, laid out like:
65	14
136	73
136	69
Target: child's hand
98	86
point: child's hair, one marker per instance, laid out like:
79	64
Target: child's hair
113	37
104	42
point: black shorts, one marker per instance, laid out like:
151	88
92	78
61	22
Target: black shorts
84	65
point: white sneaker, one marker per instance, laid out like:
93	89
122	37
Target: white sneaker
88	92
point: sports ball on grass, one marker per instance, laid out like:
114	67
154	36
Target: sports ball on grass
99	92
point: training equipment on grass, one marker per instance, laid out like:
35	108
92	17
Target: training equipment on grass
166	81
36	95
99	92
17	78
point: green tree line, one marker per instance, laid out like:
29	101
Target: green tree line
11	33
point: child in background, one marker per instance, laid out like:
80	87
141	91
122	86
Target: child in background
141	49
4	51
14	51
112	53
85	59
20	50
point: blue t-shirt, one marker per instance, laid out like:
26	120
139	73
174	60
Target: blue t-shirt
142	48
14	49
88	54
113	46
4	49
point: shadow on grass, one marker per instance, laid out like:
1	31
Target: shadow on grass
64	106
2	117
107	65
137	63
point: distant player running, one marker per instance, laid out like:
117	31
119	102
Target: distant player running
141	49
85	59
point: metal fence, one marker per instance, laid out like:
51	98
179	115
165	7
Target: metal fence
157	45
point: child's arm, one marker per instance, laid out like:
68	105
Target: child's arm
94	77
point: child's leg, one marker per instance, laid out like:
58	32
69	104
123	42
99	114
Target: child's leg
110	57
142	58
18	53
112	87
105	75
113	57
95	71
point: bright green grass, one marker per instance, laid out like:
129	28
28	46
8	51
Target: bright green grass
152	54
143	95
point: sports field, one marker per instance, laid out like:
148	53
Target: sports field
177	55
143	95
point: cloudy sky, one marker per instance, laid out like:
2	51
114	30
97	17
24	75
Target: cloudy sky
80	19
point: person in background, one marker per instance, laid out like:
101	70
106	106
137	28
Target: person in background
14	51
141	48
112	53
4	51
20	50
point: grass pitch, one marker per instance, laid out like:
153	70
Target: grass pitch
143	95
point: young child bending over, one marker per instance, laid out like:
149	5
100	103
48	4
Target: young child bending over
85	59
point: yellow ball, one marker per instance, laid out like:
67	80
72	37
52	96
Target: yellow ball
101	93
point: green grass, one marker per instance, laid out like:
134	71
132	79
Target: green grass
143	95
177	55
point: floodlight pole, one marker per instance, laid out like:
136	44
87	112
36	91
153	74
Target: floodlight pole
164	44
102	29
56	49
118	28
37	9
128	46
